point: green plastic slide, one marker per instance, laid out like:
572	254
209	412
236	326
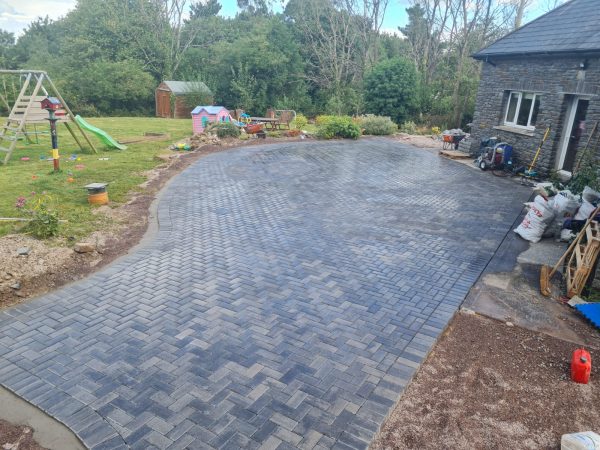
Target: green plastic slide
102	135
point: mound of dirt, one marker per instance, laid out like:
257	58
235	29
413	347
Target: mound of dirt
17	437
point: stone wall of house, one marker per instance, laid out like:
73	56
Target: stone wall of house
556	78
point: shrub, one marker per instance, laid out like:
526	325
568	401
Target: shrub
324	119
391	89
435	130
377	125
224	129
337	127
300	121
43	222
409	127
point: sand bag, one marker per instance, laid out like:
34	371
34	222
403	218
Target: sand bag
564	204
536	221
590	195
584	211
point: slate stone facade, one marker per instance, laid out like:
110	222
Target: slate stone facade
557	78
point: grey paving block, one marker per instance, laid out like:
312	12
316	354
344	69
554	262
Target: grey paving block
287	298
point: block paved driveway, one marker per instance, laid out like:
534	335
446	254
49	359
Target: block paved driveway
288	297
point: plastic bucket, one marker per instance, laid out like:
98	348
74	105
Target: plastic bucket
98	199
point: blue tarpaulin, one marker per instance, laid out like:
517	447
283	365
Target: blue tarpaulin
591	311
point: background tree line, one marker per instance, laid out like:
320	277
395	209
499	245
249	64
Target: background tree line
314	56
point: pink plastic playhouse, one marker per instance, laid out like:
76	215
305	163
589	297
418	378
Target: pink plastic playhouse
203	115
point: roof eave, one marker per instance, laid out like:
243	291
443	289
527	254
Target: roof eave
484	56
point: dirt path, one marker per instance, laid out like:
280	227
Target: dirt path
17	437
489	385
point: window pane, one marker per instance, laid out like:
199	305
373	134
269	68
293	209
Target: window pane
512	107
525	109
536	109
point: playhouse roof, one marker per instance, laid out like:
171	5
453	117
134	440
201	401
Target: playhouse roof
570	28
185	87
208	109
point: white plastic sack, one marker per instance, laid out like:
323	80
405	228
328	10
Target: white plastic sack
544	189
564	204
534	224
590	195
585	210
588	440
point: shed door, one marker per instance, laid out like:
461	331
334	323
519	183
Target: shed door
163	104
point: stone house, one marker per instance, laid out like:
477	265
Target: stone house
544	74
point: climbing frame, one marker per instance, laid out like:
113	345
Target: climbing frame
27	110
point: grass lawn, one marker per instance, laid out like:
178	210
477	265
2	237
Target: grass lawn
123	170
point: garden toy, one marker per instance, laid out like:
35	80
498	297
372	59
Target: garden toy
102	135
97	193
202	116
28	110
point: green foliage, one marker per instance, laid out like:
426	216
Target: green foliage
125	171
331	127
409	127
111	88
43	219
300	121
588	175
205	9
391	90
197	94
223	129
377	125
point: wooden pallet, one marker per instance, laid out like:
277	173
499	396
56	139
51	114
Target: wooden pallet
582	260
454	154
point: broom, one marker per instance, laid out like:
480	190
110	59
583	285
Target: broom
530	173
546	273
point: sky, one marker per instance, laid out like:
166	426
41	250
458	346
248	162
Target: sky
15	15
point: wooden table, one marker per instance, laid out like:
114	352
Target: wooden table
270	123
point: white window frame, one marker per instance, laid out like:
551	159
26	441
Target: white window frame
520	97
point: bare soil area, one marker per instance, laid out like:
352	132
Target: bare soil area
48	265
17	437
417	140
488	385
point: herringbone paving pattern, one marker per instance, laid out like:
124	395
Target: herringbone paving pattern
288	297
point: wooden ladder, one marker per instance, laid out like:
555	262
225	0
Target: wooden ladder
14	126
582	260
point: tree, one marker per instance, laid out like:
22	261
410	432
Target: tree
110	88
205	9
256	7
391	90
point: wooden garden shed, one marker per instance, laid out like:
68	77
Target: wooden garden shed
171	101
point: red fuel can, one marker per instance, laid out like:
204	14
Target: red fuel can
581	366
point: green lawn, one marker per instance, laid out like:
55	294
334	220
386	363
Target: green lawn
123	170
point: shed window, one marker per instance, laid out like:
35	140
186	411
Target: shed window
522	109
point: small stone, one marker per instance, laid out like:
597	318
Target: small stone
23	251
16	286
84	247
510	324
20	294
